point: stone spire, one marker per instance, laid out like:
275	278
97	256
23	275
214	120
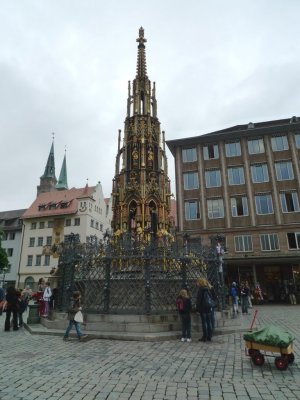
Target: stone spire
141	70
141	187
62	183
48	179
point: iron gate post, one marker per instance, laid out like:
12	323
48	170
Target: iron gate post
106	288
147	286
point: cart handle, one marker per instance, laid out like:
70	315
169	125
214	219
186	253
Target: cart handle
253	320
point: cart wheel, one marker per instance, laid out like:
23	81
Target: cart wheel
291	358
258	359
281	363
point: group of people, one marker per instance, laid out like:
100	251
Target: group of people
205	305
14	303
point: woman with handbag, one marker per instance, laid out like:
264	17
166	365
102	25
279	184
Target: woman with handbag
75	317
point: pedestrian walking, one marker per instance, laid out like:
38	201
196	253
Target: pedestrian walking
204	307
244	298
2	300
47	298
12	308
292	293
234	299
75	317
22	307
250	296
184	307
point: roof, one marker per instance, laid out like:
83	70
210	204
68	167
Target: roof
58	203
253	129
13	214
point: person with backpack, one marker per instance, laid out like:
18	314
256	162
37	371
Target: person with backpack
204	307
184	307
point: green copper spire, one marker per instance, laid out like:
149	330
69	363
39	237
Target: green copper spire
62	183
50	166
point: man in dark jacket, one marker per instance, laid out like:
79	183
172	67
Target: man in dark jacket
204	308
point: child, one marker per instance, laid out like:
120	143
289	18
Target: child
76	306
184	307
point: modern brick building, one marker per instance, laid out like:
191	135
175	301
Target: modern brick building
244	182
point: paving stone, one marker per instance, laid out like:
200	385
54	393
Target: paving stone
46	368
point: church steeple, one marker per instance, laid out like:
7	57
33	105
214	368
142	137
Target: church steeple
48	179
62	183
141	187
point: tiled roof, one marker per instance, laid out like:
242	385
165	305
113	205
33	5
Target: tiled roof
11	214
66	197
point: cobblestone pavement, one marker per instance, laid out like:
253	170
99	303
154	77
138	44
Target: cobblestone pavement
45	367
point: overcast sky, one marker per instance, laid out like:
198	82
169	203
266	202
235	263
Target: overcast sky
65	66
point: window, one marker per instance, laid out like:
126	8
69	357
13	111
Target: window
92	223
49	240
269	242
264	204
293	240
29	261
191	210
97	225
190	180
68	222
213	178
297	140
47	260
42	225
284	170
77	221
9	252
52	206
101	227
239	206
233	149
215	208
256	146
289	202
31	242
12	236
279	143
236	176
40	241
33	225
210	151
189	155
5	236
50	224
259	173
38	260
243	243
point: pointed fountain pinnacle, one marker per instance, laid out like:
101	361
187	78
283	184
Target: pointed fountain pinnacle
141	62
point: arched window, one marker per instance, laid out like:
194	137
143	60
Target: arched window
29	281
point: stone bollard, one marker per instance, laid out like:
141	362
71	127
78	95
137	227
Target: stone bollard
33	314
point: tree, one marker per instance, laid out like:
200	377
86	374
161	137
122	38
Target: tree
3	256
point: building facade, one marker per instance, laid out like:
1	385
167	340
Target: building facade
51	218
11	226
244	182
141	187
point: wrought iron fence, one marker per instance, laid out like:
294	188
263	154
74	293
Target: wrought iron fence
132	276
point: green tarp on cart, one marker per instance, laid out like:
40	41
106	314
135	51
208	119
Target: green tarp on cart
271	336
